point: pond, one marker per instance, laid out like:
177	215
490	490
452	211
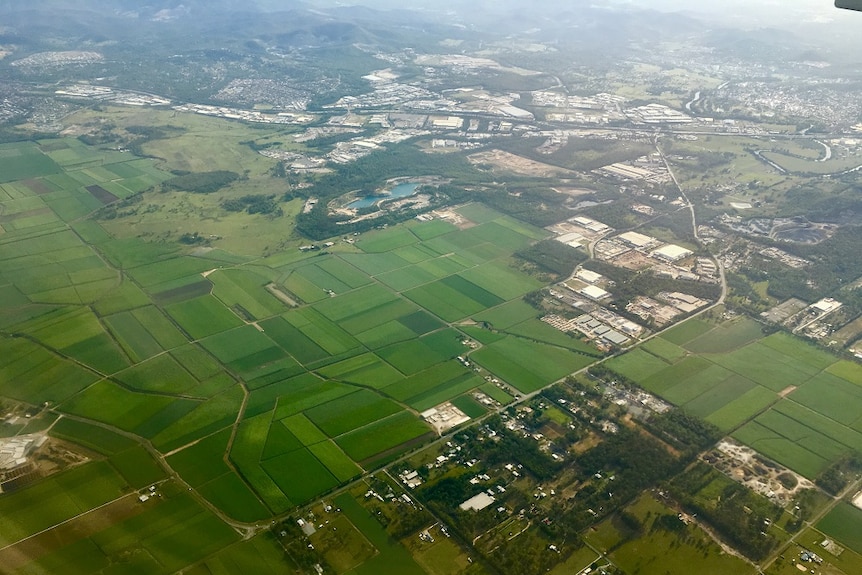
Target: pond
399	191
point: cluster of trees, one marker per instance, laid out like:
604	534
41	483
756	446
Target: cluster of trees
554	257
369	173
528	200
125	207
616	214
838	476
686	432
583	154
201	182
738	513
631	284
836	263
254	204
192	239
638	461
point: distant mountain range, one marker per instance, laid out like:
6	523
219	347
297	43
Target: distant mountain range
610	28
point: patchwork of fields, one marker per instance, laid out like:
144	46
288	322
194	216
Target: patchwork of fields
789	400
258	405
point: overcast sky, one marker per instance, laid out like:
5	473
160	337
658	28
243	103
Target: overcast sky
753	13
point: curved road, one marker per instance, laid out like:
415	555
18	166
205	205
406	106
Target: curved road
690	205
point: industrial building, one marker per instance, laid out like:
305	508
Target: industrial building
636	240
594	293
671	253
588	276
477	503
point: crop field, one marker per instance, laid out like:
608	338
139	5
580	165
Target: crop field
202	462
387	240
233	346
388	434
528	365
57	499
350	412
375	264
509	314
303	429
261	555
50	378
381	306
201	419
203	316
368	370
95	438
299	475
469	406
160	537
293	340
637	365
22	161
685	332
411	356
110	403
844	523
378	313
536	330
387	333
323	332
444	301
161	374
260	403
232	495
341	466
782	396
445	392
245	289
664	349
725	338
403	279
137	467
439	375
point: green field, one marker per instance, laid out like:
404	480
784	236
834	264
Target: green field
22	161
528	365
734	377
350	412
391	558
161	374
693	550
264	401
57	499
299	475
203	461
844	523
385	435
